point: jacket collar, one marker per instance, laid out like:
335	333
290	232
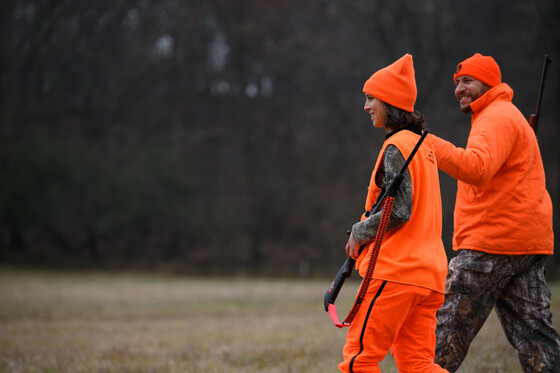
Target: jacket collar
500	92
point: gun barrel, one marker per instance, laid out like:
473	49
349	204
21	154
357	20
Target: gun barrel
534	119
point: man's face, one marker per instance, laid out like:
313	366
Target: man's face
468	89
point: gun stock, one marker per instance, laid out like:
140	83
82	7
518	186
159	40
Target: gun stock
344	272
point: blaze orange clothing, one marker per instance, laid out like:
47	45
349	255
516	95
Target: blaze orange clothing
397	317
412	253
399	309
502	205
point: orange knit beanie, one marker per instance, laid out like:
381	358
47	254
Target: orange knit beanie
483	68
394	84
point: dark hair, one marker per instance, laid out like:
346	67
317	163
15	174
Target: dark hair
398	118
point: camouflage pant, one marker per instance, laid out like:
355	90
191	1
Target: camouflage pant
516	287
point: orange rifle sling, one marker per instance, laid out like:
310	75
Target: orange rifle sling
385	216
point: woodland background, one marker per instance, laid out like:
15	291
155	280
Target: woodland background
228	136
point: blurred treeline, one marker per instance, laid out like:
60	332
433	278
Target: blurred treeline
228	136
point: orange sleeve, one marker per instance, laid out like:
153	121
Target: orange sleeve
488	147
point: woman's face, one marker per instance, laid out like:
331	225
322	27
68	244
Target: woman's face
377	111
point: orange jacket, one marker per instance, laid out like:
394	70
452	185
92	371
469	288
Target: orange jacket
502	205
413	252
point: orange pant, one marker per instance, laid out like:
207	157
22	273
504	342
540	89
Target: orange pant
397	317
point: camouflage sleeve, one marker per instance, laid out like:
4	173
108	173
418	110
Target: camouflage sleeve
393	161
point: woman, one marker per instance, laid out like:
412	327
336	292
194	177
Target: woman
398	312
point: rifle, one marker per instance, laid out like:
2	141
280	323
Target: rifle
346	269
534	120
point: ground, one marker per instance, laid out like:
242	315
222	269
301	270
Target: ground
106	322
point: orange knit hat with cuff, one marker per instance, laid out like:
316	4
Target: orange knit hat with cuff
394	84
483	68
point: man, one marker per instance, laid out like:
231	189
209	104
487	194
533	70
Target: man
502	226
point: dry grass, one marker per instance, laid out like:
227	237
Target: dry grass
94	322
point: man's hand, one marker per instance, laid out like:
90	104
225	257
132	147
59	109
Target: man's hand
352	247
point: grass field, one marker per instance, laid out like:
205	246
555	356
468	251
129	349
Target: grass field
98	322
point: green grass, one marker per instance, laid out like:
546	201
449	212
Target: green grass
97	322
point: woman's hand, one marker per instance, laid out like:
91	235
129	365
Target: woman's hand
352	247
